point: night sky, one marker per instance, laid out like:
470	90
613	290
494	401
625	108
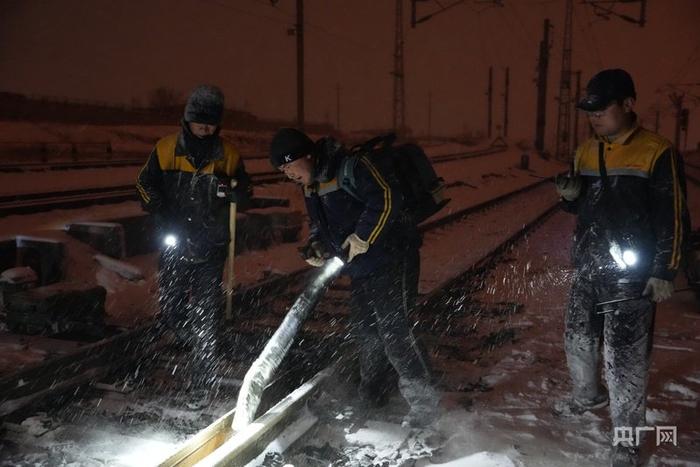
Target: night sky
117	51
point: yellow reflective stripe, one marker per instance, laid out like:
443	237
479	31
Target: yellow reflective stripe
143	193
678	224
387	200
139	187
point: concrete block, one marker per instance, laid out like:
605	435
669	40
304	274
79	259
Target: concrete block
105	237
58	308
44	255
8	253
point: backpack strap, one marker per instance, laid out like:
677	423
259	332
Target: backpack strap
346	176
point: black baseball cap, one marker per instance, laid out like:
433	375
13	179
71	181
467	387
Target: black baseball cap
605	87
289	144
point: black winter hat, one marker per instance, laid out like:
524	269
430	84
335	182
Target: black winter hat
289	144
605	87
205	105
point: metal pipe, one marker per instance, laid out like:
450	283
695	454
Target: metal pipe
629	299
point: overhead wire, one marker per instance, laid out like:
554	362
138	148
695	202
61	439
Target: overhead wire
587	32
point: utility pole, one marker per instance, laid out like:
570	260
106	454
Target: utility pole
300	63
576	112
337	106
505	103
563	146
430	115
657	118
677	101
489	98
399	102
542	69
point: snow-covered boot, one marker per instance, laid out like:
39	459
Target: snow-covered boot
627	372
571	406
424	400
624	456
583	362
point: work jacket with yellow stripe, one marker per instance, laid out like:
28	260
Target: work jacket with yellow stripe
182	193
373	214
632	200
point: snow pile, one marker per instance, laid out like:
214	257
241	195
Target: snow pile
685	392
480	459
122	268
388	444
18	275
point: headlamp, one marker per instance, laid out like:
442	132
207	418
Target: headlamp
629	257
623	259
170	241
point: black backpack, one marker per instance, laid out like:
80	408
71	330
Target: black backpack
422	190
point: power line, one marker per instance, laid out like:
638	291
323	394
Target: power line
528	36
246	12
589	37
606	12
286	23
684	68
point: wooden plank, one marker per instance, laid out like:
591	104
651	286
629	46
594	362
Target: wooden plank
247	444
218	445
201	444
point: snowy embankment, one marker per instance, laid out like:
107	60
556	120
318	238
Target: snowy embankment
473	181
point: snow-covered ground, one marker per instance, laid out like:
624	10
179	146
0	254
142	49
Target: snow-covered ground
497	404
497	408
128	301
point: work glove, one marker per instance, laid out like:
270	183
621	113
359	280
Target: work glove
568	188
314	253
356	244
658	289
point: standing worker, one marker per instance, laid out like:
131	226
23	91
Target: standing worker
186	184
380	243
628	194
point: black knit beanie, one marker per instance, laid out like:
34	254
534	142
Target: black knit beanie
205	105
289	144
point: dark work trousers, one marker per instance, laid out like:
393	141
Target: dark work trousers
191	302
380	306
626	334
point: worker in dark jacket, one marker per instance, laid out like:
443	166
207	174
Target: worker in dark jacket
186	184
380	243
629	200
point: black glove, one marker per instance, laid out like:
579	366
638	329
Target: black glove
315	253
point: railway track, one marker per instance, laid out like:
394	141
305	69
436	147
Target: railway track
692	173
71	199
109	161
240	448
325	332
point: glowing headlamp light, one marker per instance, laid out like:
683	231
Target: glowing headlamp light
624	258
170	241
629	257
